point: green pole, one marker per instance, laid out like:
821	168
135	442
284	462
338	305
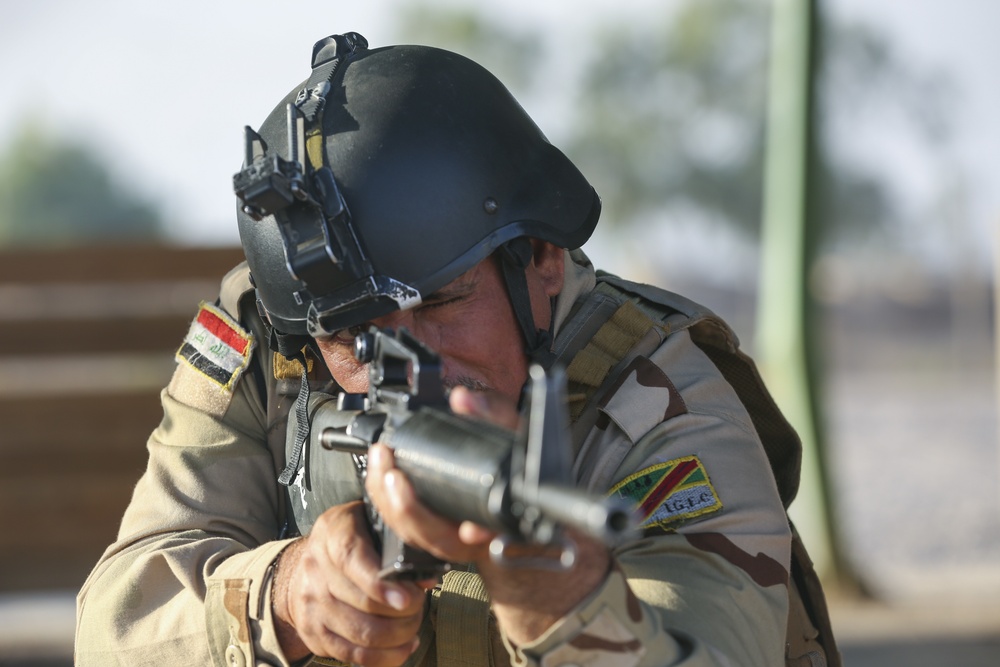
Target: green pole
787	249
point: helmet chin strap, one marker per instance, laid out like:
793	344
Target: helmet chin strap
514	258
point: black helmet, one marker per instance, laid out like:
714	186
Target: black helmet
388	174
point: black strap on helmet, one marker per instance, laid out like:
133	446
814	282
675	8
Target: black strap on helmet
293	347
321	248
514	259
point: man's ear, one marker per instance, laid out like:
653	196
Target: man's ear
549	262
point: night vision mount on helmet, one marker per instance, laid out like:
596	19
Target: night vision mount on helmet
388	174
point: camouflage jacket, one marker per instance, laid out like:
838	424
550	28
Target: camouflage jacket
655	421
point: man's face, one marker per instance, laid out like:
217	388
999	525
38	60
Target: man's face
469	323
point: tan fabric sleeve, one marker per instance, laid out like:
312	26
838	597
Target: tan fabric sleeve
669	603
610	628
187	582
707	583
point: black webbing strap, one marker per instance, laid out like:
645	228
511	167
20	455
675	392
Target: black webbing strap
294	347
514	259
327	56
299	447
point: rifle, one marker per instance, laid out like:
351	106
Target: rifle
517	483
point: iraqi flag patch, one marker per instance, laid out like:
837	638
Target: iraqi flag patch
667	494
216	346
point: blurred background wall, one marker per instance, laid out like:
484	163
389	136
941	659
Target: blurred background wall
121	124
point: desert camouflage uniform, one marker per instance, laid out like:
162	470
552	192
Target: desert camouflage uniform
655	421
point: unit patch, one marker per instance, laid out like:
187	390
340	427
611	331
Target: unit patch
668	493
216	346
289	369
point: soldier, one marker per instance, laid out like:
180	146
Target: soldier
405	187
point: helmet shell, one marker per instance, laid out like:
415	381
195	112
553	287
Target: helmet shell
438	166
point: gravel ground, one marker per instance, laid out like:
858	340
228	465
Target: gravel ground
916	473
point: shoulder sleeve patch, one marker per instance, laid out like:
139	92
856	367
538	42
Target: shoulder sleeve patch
217	347
667	494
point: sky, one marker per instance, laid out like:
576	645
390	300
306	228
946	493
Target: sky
163	90
956	40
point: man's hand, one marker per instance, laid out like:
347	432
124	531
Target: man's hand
329	601
526	601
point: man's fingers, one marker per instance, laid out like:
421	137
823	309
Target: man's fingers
322	619
337	605
412	521
472	533
372	649
489	406
349	565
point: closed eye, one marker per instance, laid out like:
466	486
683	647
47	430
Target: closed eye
442	301
347	336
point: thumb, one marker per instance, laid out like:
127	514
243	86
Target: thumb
489	406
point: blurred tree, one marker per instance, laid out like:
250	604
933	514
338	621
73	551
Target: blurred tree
670	112
58	191
863	76
674	113
677	115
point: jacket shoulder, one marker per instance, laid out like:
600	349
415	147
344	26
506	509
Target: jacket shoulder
673	312
236	292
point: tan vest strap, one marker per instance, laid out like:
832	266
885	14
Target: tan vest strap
463	621
613	340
